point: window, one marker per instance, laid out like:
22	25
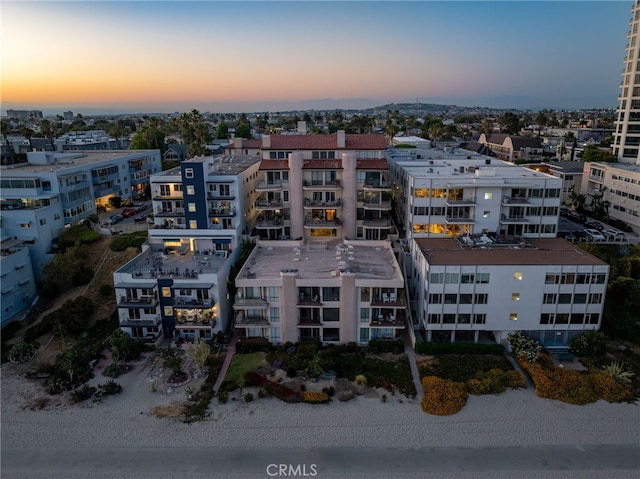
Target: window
451	278
576	318
598	278
193	224
568	278
25	225
365	295
434	318
486	214
464	319
331	314
275	334
364	315
592	318
482	278
166	292
437	278
331	294
466	299
552	279
191	207
562	318
517	276
479	318
595	298
488	196
564	299
43	221
191	190
435	298
515	296
546	318
550	298
450	298
579	298
274	315
582	279
168	310
513	316
364	335
188	172
273	293
481	298
467	278
449	319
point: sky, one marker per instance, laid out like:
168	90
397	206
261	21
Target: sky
96	57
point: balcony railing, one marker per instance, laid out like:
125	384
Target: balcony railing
268	185
383	184
141	301
181	301
513	219
322	204
222	211
176	212
319	184
267	205
515	200
310	222
242	320
140	323
458	219
250	303
377	205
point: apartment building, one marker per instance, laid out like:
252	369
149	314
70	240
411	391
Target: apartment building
17	283
332	291
512	147
570	172
626	139
617	184
324	187
51	190
460	193
548	289
178	286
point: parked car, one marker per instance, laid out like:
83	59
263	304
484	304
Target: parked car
113	219
594	225
580	234
139	207
613	235
140	218
595	234
565	212
128	212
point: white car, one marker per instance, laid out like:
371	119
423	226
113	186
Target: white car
595	234
614	235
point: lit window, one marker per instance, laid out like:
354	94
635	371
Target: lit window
486	214
25	225
166	292
191	190
188	172
513	316
488	196
168	311
517	276
193	224
191	207
515	296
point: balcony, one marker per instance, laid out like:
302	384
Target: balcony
458	219
140	323
388	301
515	200
377	185
504	219
250	303
187	302
309	300
316	222
269	186
192	318
213	196
158	195
243	320
309	322
377	205
317	185
461	202
270	224
169	213
219	212
308	204
264	205
143	301
387	321
377	223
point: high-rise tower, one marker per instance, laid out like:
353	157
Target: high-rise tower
627	134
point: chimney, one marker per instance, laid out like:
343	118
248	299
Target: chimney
237	142
302	127
266	141
341	139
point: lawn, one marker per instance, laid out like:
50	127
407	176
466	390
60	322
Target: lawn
242	363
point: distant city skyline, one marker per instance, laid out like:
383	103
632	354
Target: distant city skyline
129	57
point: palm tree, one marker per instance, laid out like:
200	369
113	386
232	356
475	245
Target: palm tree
391	131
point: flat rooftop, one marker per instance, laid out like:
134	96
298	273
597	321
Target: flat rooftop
542	251
72	160
222	165
365	259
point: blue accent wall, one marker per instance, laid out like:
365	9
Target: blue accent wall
168	322
200	196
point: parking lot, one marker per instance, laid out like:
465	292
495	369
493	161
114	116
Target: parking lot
576	227
130	221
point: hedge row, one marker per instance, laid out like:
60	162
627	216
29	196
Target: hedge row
386	346
430	348
278	390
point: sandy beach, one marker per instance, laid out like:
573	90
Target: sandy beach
513	419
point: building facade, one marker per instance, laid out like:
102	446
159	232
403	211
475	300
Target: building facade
548	289
626	142
17	281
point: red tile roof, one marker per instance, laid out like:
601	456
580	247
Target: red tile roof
274	164
327	142
361	164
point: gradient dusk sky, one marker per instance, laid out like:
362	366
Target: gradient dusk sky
149	56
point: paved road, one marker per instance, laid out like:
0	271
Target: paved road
606	461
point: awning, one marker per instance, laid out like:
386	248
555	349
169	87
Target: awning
136	285
220	241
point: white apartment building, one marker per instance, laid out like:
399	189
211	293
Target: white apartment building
332	292
178	286
619	184
626	143
17	283
459	193
548	289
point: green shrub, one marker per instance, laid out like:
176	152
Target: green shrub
617	372
109	388
83	276
243	347
111	370
524	346
591	343
430	348
124	241
45	325
494	381
82	393
248	397
223	397
22	353
378	346
77	234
